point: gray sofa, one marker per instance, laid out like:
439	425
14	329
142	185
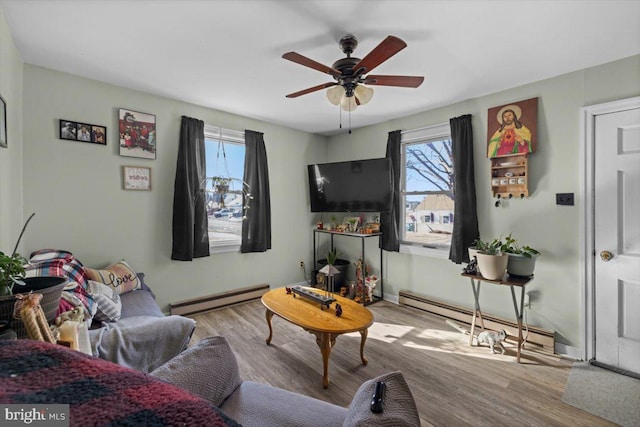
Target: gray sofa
209	370
156	343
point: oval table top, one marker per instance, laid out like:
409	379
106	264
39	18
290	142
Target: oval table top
307	314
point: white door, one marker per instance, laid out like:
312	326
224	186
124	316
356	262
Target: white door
617	239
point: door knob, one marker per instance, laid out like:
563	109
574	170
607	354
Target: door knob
606	256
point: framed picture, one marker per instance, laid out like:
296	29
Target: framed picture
68	130
351	222
3	123
137	134
83	132
512	128
136	178
99	134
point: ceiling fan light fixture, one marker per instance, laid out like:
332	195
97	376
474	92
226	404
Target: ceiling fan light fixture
335	94
363	93
348	103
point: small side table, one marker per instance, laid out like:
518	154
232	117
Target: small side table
506	280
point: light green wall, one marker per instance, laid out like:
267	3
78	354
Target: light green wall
536	221
76	190
11	65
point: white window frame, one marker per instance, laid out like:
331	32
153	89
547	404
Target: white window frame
229	136
425	134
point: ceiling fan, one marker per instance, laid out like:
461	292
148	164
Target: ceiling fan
350	74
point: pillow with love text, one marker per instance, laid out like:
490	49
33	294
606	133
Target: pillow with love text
120	276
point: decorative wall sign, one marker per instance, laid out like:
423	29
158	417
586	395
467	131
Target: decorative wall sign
137	134
136	178
83	132
512	128
3	123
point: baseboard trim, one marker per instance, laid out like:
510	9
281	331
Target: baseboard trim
213	302
543	338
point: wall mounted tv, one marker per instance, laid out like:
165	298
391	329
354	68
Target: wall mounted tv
354	186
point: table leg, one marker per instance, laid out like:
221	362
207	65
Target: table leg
363	335
269	316
323	339
476	309
518	317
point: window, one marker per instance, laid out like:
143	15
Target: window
427	189
225	160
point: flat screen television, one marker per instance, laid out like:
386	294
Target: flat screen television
353	186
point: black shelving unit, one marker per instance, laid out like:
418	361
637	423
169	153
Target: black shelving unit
379	288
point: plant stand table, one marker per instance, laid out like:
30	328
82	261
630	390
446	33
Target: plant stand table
510	281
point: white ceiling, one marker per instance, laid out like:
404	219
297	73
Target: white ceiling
226	54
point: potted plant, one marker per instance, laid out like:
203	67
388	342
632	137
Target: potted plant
492	262
11	272
522	259
12	282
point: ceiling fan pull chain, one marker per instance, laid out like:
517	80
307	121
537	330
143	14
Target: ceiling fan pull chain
340	113
349	122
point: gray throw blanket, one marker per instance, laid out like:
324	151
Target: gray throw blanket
142	342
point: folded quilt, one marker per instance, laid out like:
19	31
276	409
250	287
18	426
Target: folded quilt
142	342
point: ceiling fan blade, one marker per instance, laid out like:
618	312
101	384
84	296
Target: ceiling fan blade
385	50
311	89
403	81
307	62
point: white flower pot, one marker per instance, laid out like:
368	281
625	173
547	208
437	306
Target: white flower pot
520	265
492	267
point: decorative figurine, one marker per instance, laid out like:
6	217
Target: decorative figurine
492	338
472	267
338	310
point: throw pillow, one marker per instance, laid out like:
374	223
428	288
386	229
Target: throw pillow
120	276
47	254
216	382
109	306
399	406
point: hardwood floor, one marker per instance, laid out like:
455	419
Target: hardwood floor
453	384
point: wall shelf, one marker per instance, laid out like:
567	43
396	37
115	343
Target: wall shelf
510	176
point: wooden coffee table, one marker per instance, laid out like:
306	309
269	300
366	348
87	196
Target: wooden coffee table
323	323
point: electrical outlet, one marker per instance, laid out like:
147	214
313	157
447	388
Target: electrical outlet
564	199
301	264
527	300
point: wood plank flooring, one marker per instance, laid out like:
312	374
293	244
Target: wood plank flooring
453	384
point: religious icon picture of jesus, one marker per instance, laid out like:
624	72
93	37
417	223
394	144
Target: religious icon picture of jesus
512	128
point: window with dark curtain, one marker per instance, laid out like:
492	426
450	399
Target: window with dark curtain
390	222
190	227
256	227
465	227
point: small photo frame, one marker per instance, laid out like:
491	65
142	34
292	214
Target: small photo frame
3	123
99	134
68	130
136	178
83	132
137	134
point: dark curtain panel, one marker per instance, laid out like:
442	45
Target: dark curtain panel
390	222
190	226
465	222
256	227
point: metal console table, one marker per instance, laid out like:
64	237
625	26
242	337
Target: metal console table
375	298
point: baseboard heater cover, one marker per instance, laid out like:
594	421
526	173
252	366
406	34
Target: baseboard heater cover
543	338
220	300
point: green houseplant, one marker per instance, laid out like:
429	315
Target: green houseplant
11	272
492	262
522	259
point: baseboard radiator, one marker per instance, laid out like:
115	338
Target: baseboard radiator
543	339
221	300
